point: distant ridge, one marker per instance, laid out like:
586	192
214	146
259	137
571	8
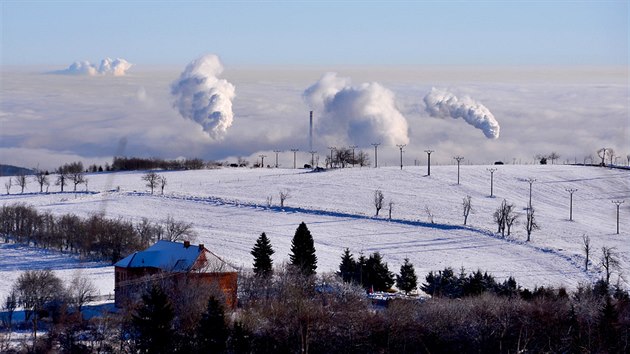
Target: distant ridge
9	170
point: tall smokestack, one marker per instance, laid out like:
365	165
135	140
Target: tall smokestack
310	132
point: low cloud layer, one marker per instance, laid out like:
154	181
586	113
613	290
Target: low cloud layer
361	114
110	67
443	104
204	98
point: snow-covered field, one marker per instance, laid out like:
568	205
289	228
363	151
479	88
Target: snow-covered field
228	208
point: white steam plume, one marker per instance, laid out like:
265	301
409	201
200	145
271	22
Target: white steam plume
204	98
441	103
113	67
361	114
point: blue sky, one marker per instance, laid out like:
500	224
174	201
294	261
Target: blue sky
318	33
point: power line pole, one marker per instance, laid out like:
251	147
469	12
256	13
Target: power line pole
376	154
571	191
331	155
294	152
353	147
428	161
458	159
491	170
618	203
401	146
262	160
313	152
277	152
530	181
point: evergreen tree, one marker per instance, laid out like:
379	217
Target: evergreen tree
303	251
407	280
262	251
378	275
212	332
152	323
348	267
360	273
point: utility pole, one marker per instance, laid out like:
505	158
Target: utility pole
376	154
277	151
571	191
262	160
428	161
401	146
530	181
458	159
491	170
618	203
294	152
331	155
353	147
313	152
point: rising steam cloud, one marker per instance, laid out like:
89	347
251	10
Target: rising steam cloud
111	67
204	98
360	115
442	104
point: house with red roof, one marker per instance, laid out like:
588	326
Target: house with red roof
167	260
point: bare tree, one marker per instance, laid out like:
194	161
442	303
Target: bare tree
505	216
178	230
62	178
34	290
609	261
467	205
586	247
21	181
77	178
553	157
42	179
284	195
163	183
391	206
530	224
429	214
378	200
8	184
152	180
269	201
362	158
81	291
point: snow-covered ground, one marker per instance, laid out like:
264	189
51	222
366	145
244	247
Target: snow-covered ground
228	208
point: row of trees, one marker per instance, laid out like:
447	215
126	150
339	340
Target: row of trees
138	163
65	175
93	237
293	312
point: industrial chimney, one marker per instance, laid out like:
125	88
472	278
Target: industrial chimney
310	132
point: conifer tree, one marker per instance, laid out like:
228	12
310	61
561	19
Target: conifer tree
407	280
303	251
212	332
360	273
379	277
152	323
262	251
348	267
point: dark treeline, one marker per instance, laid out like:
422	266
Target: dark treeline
290	312
93	237
138	163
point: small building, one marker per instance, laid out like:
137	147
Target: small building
167	260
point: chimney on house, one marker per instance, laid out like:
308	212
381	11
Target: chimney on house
201	247
186	244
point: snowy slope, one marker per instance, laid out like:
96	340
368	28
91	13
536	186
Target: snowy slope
228	210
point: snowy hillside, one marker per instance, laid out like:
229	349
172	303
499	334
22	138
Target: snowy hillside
228	208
